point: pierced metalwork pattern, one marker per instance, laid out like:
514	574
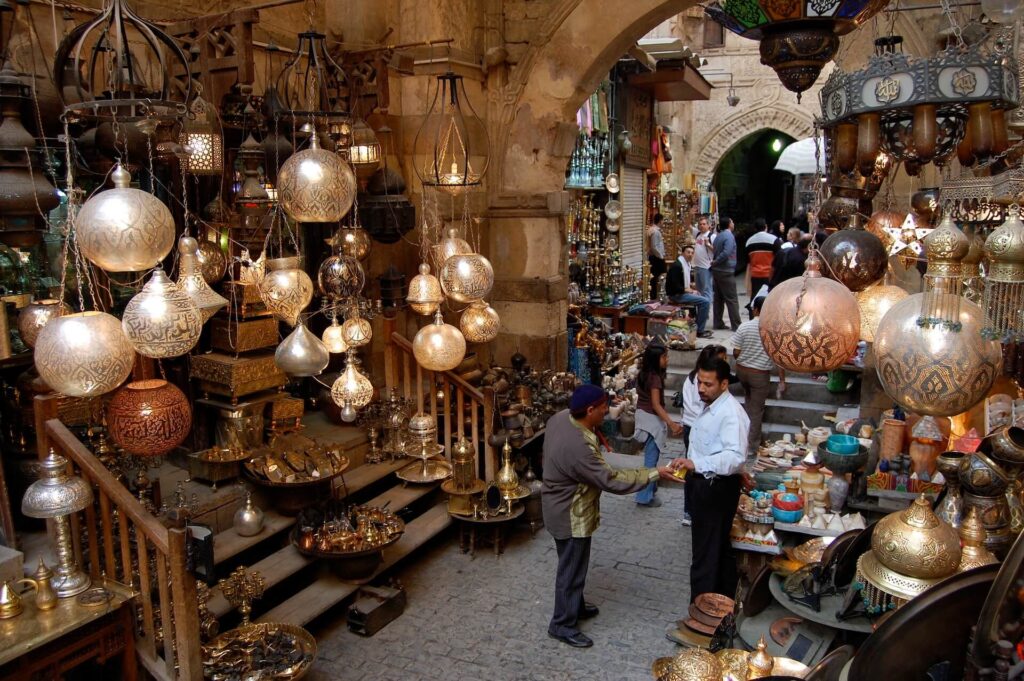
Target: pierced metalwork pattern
84	354
286	293
315	185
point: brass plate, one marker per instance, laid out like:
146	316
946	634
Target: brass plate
521	492
811	551
95	597
223	455
249	635
422	472
715	605
660	667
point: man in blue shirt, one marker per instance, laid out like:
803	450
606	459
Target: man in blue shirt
723	272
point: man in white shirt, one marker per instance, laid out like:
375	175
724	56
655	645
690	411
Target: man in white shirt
714	459
703	250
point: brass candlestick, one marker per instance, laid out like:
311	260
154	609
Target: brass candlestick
241	589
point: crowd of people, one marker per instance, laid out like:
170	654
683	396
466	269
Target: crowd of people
718	432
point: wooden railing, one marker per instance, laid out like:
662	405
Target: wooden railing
422	386
117	538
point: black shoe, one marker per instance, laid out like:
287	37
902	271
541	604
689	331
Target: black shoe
577	640
706	334
589	610
721	327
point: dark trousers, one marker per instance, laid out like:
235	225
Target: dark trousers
658	268
725	296
757	386
712	505
573	561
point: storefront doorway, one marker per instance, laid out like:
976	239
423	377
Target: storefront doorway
747	183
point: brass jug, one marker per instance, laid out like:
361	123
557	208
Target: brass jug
507	479
10	599
46	595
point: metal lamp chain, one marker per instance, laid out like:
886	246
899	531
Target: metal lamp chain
953	24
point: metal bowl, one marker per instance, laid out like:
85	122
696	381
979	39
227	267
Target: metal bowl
948	463
982	476
613	209
1008	444
246	635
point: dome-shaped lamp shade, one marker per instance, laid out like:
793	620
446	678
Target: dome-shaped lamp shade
479	323
425	294
465	278
315	185
191	281
34	316
810	323
933	369
302	353
286	289
124	229
439	346
55	493
149	418
161	320
451	148
84	354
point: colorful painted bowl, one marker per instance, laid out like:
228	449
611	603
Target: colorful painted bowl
791	517
788	502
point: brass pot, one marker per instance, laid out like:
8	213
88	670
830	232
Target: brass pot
1008	444
982	476
994	510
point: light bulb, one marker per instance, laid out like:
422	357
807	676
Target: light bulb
348	413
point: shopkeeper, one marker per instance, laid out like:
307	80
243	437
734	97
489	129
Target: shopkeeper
575	474
714	459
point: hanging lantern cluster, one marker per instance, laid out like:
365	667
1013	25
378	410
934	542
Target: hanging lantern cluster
929	353
796	39
921	110
451	147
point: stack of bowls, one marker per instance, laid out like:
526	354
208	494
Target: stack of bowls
788	508
842	454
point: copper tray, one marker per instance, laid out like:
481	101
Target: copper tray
703	617
715	605
782	629
699	627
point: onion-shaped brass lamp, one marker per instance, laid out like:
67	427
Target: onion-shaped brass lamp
56	495
302	353
357	330
810	323
855	258
286	289
334	338
340	277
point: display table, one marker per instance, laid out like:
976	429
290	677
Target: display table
830	605
49	643
473	529
613	312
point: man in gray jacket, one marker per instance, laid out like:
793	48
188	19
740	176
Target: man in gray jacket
575	474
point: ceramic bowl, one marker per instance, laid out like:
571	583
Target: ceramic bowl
788	502
982	476
842	444
791	517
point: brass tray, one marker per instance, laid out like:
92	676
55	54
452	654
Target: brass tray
263	482
478	487
521	492
223	455
415	450
248	637
811	551
425	471
333	555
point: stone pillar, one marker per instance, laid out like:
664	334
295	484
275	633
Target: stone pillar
526	248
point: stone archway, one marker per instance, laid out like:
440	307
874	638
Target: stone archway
795	123
532	119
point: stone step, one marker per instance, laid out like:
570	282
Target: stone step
799	388
329	590
795	413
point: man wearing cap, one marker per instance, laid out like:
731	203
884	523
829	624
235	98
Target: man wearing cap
575	474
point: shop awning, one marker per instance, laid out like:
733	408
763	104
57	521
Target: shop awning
673	80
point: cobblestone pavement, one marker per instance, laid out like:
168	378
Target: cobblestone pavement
486	617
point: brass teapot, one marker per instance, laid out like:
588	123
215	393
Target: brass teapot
46	595
10	599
